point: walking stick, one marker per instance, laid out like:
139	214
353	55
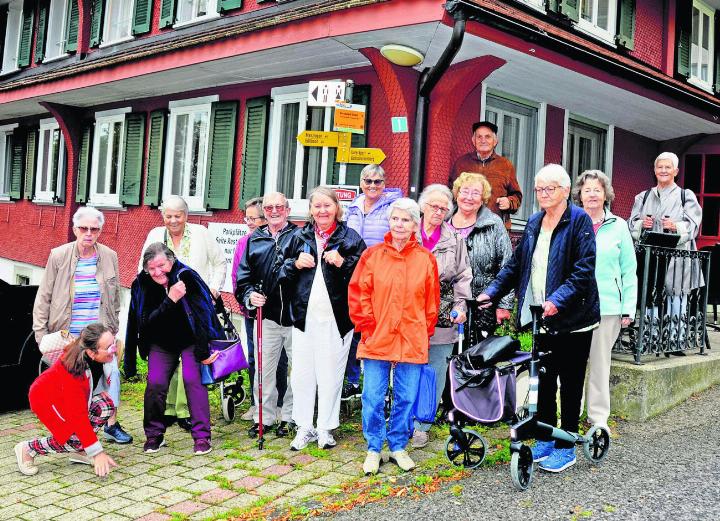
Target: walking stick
261	440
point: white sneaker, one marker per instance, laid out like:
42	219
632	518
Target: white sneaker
81	457
303	438
249	414
372	463
325	439
402	460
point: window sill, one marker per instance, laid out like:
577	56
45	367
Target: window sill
116	42
55	58
107	206
5	199
9	71
596	32
198	20
47	202
700	84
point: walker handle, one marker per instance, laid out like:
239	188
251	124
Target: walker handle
461	327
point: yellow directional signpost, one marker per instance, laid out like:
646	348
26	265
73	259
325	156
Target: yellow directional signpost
341	141
316	138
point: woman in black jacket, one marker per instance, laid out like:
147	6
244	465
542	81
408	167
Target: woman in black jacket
321	339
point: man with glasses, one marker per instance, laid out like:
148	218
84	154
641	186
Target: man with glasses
506	195
80	286
256	286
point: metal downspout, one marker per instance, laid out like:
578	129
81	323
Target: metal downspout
428	80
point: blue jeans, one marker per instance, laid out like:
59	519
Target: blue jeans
282	370
405	387
352	368
437	358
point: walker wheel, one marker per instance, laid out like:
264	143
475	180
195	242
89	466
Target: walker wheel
228	408
521	468
597	444
470	456
240	394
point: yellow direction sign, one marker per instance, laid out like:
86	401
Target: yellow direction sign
316	138
363	156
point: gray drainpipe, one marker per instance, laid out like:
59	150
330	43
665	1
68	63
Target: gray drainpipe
428	80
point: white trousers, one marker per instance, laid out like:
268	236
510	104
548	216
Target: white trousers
274	337
319	357
597	394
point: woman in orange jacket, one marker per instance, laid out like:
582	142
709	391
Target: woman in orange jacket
393	298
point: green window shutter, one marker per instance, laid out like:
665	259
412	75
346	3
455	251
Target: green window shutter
81	190
227	5
26	35
59	174
683	30
716	83
142	16
361	96
254	144
218	177
71	29
132	161
17	162
96	22
41	32
567	8
167	13
30	151
626	24
156	148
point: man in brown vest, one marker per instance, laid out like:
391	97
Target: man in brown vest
499	171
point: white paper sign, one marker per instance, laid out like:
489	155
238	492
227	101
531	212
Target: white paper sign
227	236
324	93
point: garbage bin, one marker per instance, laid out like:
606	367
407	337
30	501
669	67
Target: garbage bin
19	354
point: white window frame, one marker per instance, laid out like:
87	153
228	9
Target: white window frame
607	151
211	14
5	159
282	96
706	10
47	193
591	27
128	8
12	36
109	117
196	203
56	38
535	4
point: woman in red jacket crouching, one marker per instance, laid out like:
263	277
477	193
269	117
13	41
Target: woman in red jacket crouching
62	401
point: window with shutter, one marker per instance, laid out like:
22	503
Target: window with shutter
81	190
71	30
56	27
9	183
597	17
50	165
133	158
361	96
17	163
167	13
716	83
43	8
566	8
26	35
702	45
142	16
195	10
12	16
30	153
223	121
96	22
626	24
683	30
254	143
155	158
186	152
109	153
120	19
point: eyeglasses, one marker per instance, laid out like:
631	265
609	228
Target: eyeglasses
112	348
277	207
438	209
376	182
549	190
253	219
473	194
85	229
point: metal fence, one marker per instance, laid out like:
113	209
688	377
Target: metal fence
672	303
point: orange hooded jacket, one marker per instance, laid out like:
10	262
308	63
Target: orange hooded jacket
394	298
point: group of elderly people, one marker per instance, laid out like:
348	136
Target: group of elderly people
387	286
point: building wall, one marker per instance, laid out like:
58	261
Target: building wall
632	169
650	34
554	134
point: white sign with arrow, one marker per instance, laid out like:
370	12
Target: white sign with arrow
324	93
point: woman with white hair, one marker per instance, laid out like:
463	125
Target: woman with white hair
80	286
394	296
436	202
669	208
195	246
553	266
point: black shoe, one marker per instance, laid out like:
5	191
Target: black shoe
282	429
184	423
350	391
253	431
169	420
678	353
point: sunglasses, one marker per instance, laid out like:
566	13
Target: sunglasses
277	207
376	182
85	229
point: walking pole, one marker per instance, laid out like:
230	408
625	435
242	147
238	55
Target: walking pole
261	440
461	332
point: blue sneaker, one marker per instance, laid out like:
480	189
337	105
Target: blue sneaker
116	433
542	450
559	460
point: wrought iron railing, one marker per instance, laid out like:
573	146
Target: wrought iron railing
672	303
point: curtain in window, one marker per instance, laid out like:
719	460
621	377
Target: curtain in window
288	148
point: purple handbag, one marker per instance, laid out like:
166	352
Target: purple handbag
231	358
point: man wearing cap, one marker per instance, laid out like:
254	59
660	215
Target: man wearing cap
506	196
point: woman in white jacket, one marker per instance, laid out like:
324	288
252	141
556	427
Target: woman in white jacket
195	246
615	272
